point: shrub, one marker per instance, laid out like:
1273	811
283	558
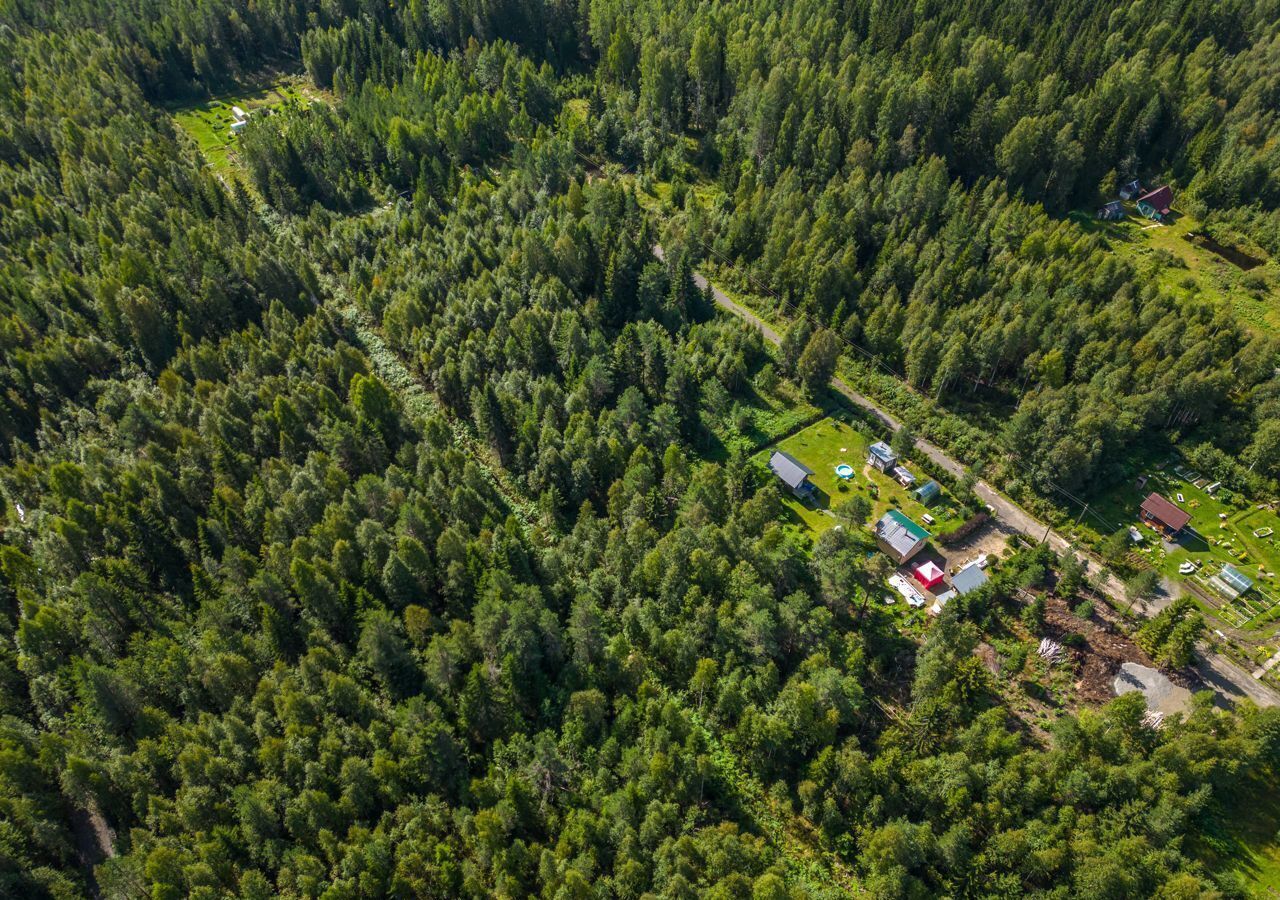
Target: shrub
964	529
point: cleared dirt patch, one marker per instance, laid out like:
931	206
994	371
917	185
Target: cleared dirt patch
1162	695
1104	649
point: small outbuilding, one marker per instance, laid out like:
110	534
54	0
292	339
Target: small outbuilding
1231	581
899	537
1157	204
903	476
793	473
969	578
1131	190
882	457
1113	211
1163	515
941	600
928	574
928	492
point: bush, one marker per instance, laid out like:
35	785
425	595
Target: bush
855	510
1142	585
1033	615
964	529
1014	655
1084	610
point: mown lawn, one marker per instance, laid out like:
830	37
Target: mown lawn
830	442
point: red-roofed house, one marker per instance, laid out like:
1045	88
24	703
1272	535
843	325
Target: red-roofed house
1164	515
1156	204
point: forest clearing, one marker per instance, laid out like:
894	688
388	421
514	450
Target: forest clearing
834	441
1195	267
208	122
394	505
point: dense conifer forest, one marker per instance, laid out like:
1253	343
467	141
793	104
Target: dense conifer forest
378	517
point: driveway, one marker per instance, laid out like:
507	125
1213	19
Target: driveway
1223	675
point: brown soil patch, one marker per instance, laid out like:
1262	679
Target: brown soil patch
989	657
1105	649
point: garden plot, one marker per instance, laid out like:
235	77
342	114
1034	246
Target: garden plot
1220	530
1244	611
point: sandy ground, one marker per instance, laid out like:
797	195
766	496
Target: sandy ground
1162	695
991	539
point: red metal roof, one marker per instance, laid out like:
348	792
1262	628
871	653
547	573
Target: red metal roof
1166	512
1160	199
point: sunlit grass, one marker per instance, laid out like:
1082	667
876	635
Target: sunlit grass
830	442
1168	254
208	122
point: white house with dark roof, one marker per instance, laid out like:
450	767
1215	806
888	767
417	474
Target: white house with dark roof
882	457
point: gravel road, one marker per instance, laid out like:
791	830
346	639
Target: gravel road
1228	679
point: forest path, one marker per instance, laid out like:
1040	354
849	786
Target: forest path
823	873
422	404
418	399
1227	678
95	842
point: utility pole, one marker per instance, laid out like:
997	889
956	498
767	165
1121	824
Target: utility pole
1081	516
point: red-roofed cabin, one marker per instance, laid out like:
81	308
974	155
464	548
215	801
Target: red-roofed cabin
1164	516
1156	204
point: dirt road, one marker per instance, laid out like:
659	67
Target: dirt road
1224	676
1232	682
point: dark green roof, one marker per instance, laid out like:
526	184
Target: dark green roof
908	525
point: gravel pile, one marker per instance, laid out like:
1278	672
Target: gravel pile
1162	695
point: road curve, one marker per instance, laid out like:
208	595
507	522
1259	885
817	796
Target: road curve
1227	678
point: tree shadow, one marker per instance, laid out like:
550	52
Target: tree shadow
792	517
